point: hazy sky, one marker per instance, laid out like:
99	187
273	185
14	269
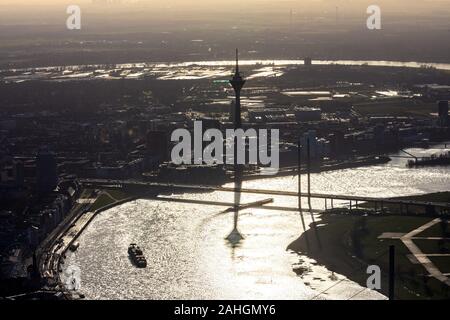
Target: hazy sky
388	4
33	31
50	12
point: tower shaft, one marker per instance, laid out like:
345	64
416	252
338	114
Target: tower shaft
237	83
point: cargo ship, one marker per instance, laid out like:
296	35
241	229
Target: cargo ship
137	256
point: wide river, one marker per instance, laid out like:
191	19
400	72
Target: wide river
193	70
189	258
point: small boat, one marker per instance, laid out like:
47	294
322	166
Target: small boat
137	256
74	246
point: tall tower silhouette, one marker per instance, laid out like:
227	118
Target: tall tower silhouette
237	83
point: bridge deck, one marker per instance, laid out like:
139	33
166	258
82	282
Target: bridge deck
119	183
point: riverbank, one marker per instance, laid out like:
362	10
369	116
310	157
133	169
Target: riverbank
52	269
220	178
347	243
330	166
44	251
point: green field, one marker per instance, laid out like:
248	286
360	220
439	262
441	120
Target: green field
107	198
347	244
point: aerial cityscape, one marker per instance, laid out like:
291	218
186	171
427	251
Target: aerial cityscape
253	150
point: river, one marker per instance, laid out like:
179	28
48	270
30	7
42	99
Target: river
193	70
189	258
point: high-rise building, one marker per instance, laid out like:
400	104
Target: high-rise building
157	144
11	172
443	119
46	171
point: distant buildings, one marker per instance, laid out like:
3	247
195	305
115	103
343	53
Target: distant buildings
118	170
284	114
306	114
319	148
52	208
267	115
433	92
28	223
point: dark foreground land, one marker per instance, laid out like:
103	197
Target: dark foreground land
348	243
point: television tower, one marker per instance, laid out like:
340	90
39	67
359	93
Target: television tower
237	82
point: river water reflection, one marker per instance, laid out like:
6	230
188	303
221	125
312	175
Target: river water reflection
189	258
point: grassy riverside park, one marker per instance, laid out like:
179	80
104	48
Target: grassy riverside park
347	243
108	197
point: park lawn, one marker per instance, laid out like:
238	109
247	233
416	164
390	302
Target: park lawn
412	280
105	199
349	243
101	201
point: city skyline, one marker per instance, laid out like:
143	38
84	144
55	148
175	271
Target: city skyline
242	150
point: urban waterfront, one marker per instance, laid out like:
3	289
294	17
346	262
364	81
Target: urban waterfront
244	150
189	257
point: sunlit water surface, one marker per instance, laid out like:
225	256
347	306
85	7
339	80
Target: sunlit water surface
189	258
190	70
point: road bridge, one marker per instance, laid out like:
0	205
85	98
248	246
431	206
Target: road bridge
354	200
